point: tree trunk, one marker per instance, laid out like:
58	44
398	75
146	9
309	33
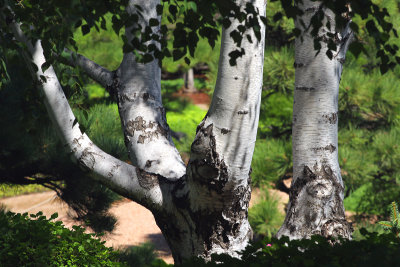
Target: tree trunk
189	81
201	209
212	201
316	195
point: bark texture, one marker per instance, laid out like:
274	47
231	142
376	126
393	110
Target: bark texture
202	208
138	91
316	194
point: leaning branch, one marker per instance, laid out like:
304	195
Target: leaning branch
96	72
125	179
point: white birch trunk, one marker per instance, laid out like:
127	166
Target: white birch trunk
316	194
138	90
214	200
200	210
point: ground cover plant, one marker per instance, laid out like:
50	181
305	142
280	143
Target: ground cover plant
49	243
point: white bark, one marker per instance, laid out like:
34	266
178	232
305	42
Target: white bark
316	194
138	89
219	167
119	176
201	210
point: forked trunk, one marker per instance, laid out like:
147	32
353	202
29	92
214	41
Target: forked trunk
316	195
202	209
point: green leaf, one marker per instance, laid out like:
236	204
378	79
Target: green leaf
85	29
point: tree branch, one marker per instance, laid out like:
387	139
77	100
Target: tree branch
98	73
125	179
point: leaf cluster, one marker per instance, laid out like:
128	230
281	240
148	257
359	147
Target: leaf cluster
36	241
362	16
374	250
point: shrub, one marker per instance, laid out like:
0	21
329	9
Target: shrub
137	256
373	250
45	242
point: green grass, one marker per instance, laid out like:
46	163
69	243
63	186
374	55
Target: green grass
8	190
185	121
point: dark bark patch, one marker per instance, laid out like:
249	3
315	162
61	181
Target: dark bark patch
341	60
298	65
148	163
331	118
335	228
219	227
331	148
225	131
147	131
87	159
243	112
319	188
110	174
205	165
147	180
305	89
146	96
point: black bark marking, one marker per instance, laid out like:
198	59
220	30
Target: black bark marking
335	228
142	127
341	60
148	163
217	227
225	131
305	89
298	65
331	148
205	164
87	159
331	118
110	174
321	189
146	96
243	112
236	78
147	180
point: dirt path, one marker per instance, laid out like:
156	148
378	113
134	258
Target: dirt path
135	225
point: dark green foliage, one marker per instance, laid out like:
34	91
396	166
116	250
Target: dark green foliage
373	250
37	241
138	256
31	153
374	24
